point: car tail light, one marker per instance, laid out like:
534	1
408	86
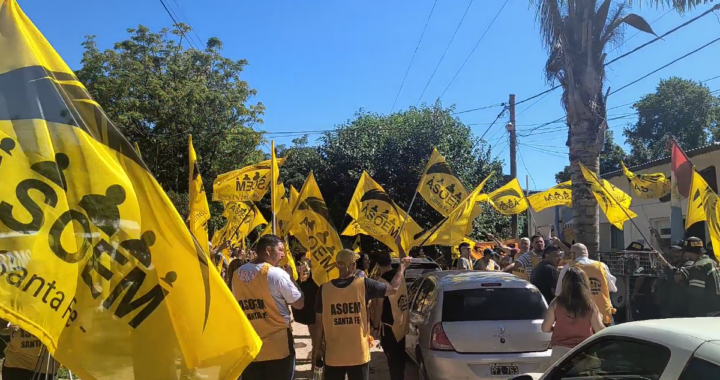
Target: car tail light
438	340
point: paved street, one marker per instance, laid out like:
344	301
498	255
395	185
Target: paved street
378	365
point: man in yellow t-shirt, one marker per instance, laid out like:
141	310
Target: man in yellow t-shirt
341	308
26	357
264	291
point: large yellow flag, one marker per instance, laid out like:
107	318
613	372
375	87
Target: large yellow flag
314	229
372	208
355	229
199	210
453	229
247	184
695	208
509	199
558	195
277	189
439	186
648	186
614	202
703	197
112	281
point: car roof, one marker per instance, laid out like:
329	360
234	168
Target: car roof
666	330
463	279
415	260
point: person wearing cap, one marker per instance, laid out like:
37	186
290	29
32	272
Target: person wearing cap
545	274
487	262
464	262
703	280
264	291
602	282
391	319
342	314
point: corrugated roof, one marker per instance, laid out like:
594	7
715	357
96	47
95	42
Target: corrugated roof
665	160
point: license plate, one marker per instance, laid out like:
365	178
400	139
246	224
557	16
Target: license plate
504	370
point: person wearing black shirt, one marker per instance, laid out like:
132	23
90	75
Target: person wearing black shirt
545	274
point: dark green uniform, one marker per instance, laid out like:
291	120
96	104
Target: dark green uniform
670	294
702	288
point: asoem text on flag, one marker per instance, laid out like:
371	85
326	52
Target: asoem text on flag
509	199
701	195
373	209
439	186
314	229
199	211
614	202
558	195
647	186
247	184
115	286
355	229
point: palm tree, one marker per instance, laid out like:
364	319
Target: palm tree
576	34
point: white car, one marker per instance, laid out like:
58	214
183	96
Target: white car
472	325
662	349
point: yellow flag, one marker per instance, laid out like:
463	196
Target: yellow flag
100	266
199	210
648	186
357	246
453	229
137	149
354	229
314	229
559	195
372	208
277	188
247	184
698	194
288	259
509	199
614	202
439	187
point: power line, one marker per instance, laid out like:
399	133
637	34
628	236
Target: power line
479	108
188	22
493	123
638	32
526	169
534	103
445	52
174	17
413	56
473	50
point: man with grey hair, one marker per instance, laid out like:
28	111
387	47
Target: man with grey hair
602	282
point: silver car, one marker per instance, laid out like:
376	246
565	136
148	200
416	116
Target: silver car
467	325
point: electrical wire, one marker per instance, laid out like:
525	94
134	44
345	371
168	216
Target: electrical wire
188	22
413	56
526	169
493	123
445	52
473	50
638	32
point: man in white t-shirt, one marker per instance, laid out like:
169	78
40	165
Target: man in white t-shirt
264	291
464	262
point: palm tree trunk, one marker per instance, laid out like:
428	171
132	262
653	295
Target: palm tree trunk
583	148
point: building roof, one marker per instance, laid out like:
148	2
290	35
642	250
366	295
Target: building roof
665	160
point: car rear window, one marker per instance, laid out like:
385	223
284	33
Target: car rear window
492	304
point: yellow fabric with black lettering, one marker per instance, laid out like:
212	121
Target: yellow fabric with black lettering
261	310
439	186
345	323
598	288
558	195
399	305
647	186
110	280
248	184
509	199
23	351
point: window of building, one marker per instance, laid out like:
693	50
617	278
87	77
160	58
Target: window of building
617	238
663	227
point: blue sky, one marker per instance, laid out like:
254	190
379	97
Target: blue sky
315	63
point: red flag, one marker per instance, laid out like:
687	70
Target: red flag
681	170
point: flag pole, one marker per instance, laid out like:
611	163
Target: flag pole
273	184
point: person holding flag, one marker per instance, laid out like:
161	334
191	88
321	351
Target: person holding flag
263	291
342	313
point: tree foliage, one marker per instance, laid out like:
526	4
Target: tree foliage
610	157
159	91
394	149
679	108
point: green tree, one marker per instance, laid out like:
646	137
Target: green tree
681	108
610	158
576	34
394	149
159	91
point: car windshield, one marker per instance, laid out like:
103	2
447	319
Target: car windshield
492	304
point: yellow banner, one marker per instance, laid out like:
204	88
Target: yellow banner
111	280
648	186
247	184
277	191
354	229
372	208
199	210
701	194
439	186
314	229
613	201
509	199
698	195
559	195
453	229
357	245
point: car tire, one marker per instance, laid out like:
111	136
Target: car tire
422	370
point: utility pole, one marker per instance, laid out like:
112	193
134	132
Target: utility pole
513	156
